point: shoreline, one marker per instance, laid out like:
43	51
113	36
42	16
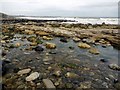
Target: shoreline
39	55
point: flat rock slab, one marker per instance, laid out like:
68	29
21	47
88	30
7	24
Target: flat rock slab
48	83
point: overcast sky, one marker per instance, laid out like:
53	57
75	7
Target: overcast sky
82	8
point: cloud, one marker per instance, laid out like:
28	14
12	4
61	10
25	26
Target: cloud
58	7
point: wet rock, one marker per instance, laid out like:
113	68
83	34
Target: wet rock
63	40
52	52
17	44
71	75
57	73
85	85
70	47
24	71
117	86
39	41
76	39
94	51
30	32
32	76
48	83
116	81
4	52
114	67
47	38
103	60
50	45
41	33
69	85
39	48
31	39
84	45
33	44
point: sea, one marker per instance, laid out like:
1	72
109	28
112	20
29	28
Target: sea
76	20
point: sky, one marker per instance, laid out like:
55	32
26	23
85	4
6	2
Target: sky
81	8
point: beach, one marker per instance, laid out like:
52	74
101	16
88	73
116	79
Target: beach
56	54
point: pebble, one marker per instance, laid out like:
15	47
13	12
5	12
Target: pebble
24	71
71	75
32	76
57	73
48	83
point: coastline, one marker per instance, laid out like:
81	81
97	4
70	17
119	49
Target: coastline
68	55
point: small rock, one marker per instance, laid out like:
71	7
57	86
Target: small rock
17	44
51	52
114	67
24	71
103	60
39	48
76	39
63	40
47	38
71	75
57	83
57	73
116	81
32	76
94	51
71	47
48	83
33	44
84	45
117	86
50	45
85	85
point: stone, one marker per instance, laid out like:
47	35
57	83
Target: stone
17	44
114	67
57	73
24	71
94	51
33	44
76	39
71	75
103	60
39	48
85	85
63	40
32	76
41	33
117	86
50	45
48	83
70	47
30	32
84	45
47	38
31	39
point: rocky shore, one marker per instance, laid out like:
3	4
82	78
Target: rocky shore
57	55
